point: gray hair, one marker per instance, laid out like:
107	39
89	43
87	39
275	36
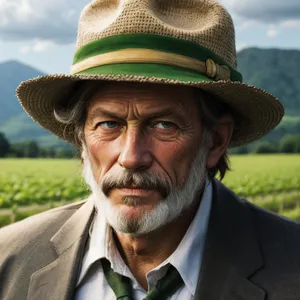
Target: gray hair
73	114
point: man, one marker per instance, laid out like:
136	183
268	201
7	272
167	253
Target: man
154	102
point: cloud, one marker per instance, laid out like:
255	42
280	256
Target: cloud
266	11
272	32
240	46
47	20
37	46
56	20
291	24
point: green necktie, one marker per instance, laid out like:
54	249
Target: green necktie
121	285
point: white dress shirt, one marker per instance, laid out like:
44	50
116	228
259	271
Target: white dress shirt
186	259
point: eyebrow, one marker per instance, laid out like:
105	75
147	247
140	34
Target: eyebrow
167	112
104	113
163	113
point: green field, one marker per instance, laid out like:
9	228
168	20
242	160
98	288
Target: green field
30	186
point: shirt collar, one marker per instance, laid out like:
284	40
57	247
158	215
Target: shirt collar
187	255
99	237
189	252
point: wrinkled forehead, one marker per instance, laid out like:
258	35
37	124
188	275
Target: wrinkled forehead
129	91
143	96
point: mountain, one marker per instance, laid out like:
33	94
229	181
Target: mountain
22	128
276	71
11	74
271	69
14	122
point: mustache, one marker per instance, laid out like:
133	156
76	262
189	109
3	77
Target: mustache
130	179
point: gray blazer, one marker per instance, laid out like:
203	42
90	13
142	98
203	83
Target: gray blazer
250	254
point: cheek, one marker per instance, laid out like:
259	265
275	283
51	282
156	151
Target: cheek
102	155
176	159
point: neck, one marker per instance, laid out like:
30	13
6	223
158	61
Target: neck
143	253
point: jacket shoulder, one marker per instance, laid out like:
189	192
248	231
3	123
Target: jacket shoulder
277	235
266	221
40	226
26	246
280	245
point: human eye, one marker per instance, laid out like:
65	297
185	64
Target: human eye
164	125
109	125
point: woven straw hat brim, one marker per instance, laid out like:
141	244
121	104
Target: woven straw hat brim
257	112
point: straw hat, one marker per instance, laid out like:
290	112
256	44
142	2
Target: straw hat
181	42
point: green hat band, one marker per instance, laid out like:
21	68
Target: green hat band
152	49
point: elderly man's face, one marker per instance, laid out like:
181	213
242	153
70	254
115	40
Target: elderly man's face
150	131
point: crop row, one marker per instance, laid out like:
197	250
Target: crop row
31	191
286	204
30	182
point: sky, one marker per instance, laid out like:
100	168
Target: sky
42	33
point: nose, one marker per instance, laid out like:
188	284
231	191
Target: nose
135	152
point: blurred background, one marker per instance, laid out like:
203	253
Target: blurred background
38	171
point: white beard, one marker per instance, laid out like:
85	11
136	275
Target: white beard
164	212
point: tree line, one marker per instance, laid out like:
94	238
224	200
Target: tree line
31	149
288	144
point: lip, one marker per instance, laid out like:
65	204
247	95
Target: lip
136	191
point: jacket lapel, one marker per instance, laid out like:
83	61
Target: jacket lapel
57	280
231	253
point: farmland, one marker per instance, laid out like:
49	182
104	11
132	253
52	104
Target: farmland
30	186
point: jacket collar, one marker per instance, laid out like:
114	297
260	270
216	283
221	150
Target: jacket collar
57	280
231	253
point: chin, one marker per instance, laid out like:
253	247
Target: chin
133	213
136	220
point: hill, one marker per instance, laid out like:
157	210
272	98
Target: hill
22	128
271	69
275	71
11	74
14	122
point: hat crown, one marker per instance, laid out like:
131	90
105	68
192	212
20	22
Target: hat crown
204	22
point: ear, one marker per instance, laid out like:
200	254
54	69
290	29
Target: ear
221	137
